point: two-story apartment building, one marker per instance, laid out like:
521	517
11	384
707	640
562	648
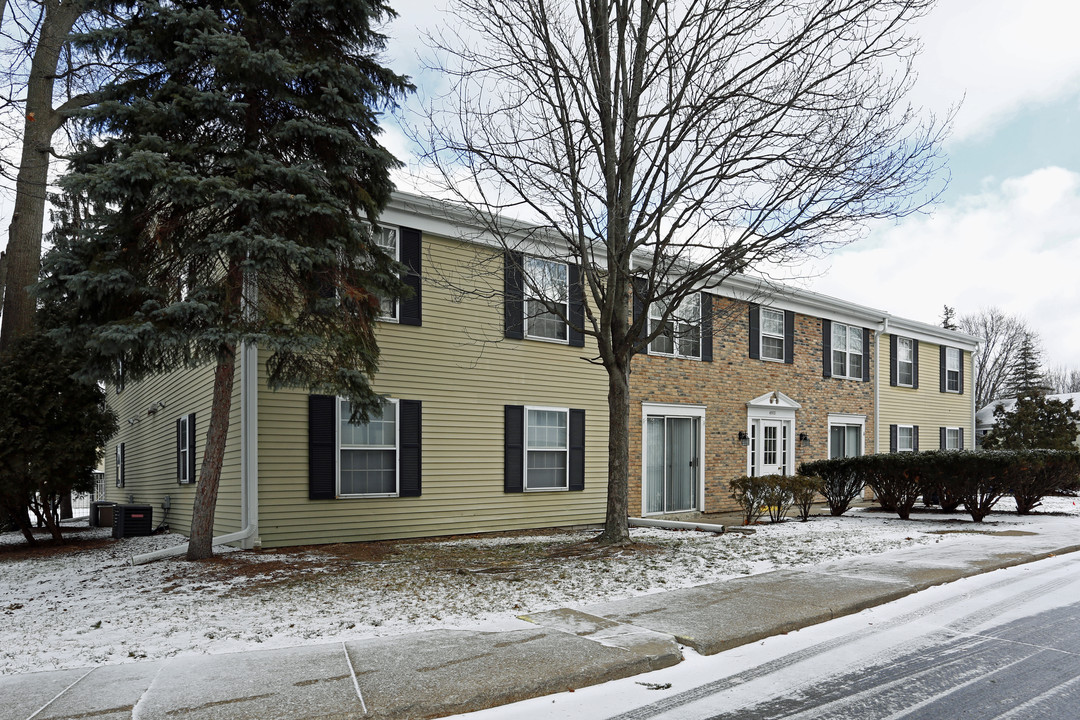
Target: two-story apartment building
494	420
777	377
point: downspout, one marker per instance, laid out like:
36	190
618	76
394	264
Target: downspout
877	382
248	536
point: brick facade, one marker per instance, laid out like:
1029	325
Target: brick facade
726	384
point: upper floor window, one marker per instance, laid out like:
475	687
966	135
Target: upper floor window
546	297
772	334
387	239
952	369
680	335
905	361
368	451
847	351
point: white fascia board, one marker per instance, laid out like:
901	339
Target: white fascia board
924	332
457	222
804	302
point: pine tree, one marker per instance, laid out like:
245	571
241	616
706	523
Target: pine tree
948	318
1026	377
229	194
1036	422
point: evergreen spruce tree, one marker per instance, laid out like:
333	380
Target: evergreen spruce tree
1036	422
230	194
1026	378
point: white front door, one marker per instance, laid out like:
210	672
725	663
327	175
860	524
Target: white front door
773	447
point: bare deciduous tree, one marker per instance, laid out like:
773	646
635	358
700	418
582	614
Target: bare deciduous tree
1002	337
1063	379
40	89
663	146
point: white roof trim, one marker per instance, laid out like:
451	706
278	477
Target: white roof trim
774	399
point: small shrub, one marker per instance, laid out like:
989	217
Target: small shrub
895	478
841	481
777	496
804	490
750	493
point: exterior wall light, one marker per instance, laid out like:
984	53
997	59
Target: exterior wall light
744	438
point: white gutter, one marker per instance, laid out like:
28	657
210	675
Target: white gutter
675	525
249	463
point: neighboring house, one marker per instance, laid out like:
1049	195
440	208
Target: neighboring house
925	388
984	418
495	421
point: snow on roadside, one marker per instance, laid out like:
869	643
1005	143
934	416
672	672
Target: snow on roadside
92	607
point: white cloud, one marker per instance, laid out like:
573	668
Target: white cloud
998	56
1016	245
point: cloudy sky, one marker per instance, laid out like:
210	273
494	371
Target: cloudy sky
1006	231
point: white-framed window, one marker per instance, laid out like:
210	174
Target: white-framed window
952	369
905	362
952	438
847	351
772	334
387	240
680	336
547	448
184	448
547	294
905	438
846	435
368	452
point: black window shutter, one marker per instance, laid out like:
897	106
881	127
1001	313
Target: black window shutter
866	354
411	308
789	337
893	360
513	295
179	450
915	438
942	368
892	438
576	478
706	327
915	363
409	431
961	373
943	436
961	438
120	471
322	447
577	307
192	477
640	287
513	448
826	348
755	331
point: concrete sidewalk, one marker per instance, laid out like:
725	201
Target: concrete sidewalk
442	672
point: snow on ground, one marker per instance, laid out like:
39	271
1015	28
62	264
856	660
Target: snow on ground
91	606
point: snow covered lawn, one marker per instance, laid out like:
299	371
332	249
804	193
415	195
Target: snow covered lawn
88	605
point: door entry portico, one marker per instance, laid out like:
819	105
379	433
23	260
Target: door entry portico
770	424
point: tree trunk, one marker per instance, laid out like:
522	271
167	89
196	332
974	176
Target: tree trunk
201	542
31	183
616	526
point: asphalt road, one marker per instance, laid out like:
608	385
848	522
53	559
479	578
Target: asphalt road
1002	645
960	657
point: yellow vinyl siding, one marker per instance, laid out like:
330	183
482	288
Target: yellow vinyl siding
150	447
925	406
464	372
